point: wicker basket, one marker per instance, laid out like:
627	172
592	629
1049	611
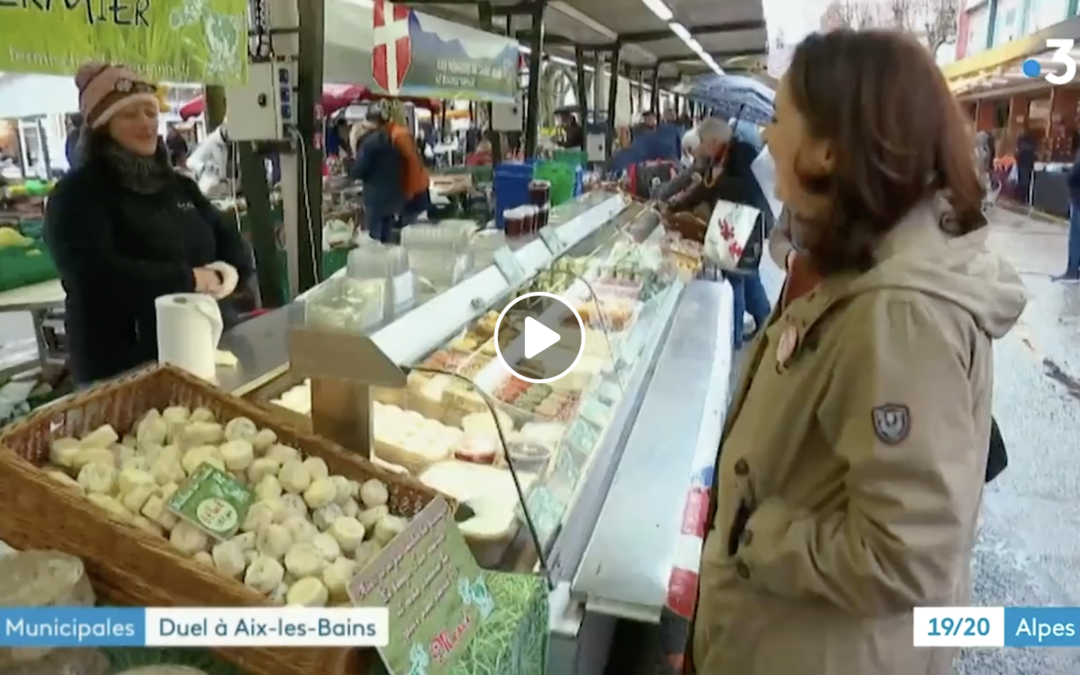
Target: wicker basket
130	567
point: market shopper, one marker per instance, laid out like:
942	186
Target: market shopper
1072	264
379	166
125	228
415	181
851	466
721	171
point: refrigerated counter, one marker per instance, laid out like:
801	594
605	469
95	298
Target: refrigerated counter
601	515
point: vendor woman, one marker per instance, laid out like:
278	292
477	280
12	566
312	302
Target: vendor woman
125	228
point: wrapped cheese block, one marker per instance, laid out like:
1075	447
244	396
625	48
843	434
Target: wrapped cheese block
41	579
408	439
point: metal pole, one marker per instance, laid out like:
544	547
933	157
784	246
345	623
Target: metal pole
532	107
309	126
613	92
656	89
487	24
214	100
580	91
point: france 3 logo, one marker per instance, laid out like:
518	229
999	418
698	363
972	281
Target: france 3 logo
1062	55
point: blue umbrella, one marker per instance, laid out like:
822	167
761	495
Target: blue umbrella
728	94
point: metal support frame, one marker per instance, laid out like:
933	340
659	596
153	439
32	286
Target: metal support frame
580	91
487	15
309	125
532	105
613	92
655	100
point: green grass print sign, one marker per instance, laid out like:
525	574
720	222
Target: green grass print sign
173	40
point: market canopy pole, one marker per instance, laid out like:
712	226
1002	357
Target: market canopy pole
613	92
487	16
580	91
532	106
655	104
309	122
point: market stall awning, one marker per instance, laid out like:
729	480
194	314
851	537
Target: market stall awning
732	30
997	71
1008	78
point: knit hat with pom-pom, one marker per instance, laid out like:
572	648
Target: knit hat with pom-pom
105	89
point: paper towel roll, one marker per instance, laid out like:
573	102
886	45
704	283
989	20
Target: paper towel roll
188	331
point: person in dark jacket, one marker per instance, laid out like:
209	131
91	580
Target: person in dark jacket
125	228
1072	265
1027	146
722	173
573	134
379	166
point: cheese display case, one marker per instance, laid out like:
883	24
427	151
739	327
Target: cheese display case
534	466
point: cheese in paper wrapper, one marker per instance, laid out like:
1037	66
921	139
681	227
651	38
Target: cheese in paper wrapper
730	228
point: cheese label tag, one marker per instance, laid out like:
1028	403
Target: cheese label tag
213	501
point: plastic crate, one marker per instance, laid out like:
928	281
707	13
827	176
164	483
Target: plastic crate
563	179
510	188
26	266
571	157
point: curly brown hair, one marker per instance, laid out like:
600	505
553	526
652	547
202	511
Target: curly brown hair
898	137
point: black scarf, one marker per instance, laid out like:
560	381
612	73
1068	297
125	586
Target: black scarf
145	175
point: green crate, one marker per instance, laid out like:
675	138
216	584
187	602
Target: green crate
561	176
26	266
573	158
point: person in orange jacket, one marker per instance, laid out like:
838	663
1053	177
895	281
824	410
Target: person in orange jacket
414	176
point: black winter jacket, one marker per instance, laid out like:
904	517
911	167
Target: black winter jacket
117	251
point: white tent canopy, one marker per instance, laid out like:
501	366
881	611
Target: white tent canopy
28	95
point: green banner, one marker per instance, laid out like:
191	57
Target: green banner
175	40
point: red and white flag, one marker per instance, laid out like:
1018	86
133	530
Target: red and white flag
392	54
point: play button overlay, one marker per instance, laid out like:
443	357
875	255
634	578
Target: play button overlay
539	337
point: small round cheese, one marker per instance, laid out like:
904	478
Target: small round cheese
99	478
92	456
166	470
238	455
294	476
264	440
241	429
304	560
301	529
389	527
320	493
62	451
308	592
325	517
283	453
317	468
245	541
268	488
202	415
273	541
229	559
203	558
114	508
188	539
343	489
259	517
374	493
336	577
328	546
134	499
295	505
129	479
369	517
261	468
264	574
366	552
348	532
350	508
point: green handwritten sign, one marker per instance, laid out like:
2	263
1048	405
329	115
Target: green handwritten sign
437	594
175	40
212	501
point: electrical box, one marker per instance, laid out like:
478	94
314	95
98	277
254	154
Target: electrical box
595	147
507	116
263	107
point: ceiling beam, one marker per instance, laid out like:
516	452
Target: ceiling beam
724	54
644	36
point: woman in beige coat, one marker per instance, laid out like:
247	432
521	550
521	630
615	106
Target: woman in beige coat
852	461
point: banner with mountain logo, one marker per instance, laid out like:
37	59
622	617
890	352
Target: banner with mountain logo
421	56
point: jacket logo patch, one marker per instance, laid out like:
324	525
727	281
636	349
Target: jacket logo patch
892	423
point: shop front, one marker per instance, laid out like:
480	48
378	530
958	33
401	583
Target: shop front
1018	110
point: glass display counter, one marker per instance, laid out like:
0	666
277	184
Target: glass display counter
534	464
